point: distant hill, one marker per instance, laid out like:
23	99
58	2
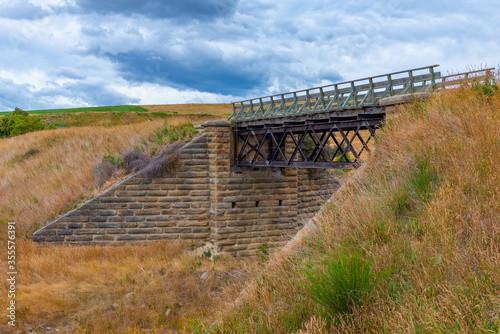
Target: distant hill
182	109
122	115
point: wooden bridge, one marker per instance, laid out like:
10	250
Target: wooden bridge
328	126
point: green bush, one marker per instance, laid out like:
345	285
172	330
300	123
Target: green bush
339	283
19	122
488	88
19	112
263	252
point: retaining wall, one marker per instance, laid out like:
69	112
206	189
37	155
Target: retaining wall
201	200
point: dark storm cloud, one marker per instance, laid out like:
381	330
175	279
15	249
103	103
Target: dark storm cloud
198	9
198	70
96	52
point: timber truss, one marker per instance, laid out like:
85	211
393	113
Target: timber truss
329	126
329	142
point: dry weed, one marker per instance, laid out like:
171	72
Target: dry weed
106	289
426	209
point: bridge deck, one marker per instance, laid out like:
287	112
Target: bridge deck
329	126
355	94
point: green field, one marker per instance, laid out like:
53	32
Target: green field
85	109
128	114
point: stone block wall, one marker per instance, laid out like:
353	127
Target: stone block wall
314	188
201	200
174	206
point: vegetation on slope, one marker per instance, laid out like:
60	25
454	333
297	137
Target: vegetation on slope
409	245
85	109
160	286
19	122
110	116
181	109
155	113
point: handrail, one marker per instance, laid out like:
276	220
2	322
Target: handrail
467	74
459	78
358	94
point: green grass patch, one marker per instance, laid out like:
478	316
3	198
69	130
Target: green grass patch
165	114
167	134
340	283
126	108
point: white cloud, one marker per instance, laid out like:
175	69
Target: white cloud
34	78
150	93
256	48
48	5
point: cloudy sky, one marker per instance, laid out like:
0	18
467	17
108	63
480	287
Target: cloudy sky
71	53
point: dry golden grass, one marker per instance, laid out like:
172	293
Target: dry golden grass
123	289
93	289
111	119
42	173
222	110
425	211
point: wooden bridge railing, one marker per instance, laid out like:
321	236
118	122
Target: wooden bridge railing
359	93
454	80
315	137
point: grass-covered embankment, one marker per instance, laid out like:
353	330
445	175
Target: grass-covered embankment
160	287
410	245
110	116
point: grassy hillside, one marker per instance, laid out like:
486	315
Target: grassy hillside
223	110
183	109
110	116
107	289
410	245
85	109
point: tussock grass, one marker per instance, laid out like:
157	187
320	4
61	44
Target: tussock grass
340	282
424	211
42	173
127	289
94	289
111	119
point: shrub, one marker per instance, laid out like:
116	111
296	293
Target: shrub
134	160
19	123
103	172
165	162
339	283
487	88
19	112
116	161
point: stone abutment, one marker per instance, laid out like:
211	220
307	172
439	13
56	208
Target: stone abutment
202	200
